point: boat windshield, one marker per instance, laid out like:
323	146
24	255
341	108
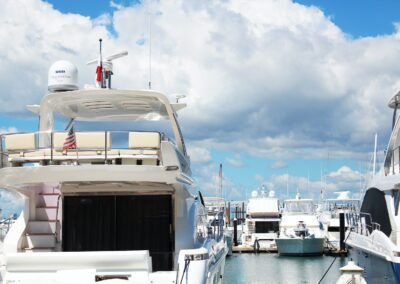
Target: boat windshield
334	204
299	207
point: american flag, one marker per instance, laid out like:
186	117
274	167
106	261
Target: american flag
70	141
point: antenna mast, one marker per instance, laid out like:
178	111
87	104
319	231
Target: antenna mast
220	180
150	19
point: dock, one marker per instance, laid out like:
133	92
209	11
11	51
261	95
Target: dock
250	249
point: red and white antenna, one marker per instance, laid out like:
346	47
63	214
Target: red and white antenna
104	68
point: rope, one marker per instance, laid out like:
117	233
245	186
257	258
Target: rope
326	272
187	262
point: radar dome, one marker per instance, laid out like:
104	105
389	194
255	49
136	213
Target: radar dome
254	193
63	76
271	194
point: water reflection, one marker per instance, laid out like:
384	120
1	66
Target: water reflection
275	269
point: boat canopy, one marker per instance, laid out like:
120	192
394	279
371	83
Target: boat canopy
109	105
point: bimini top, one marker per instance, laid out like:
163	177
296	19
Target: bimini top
109	105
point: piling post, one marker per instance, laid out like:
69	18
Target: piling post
243	212
341	230
235	240
228	214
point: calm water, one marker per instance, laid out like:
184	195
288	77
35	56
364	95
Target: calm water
275	269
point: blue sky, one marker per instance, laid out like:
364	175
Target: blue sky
280	93
358	18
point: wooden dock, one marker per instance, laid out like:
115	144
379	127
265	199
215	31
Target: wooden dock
250	249
335	252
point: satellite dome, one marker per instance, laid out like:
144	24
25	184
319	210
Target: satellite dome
271	194
63	76
254	193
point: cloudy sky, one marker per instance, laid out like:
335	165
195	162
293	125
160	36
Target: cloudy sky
286	94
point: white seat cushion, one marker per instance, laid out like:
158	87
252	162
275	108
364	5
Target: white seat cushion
147	140
20	142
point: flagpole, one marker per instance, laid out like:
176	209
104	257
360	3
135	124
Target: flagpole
101	65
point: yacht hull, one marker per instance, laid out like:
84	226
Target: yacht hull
300	247
376	268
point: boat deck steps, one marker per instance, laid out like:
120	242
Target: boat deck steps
40	240
43	249
46	206
46	213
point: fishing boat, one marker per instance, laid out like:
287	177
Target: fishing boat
374	239
300	231
262	220
103	203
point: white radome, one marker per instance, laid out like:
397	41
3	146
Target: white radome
63	76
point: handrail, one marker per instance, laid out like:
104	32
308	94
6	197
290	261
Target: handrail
58	207
364	228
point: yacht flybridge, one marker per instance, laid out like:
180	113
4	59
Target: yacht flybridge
105	205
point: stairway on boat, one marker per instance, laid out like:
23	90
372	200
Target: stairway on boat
42	234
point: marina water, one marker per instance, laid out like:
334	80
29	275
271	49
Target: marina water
267	268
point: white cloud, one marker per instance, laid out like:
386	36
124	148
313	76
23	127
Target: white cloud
9	203
263	77
116	5
234	161
199	154
343	179
279	164
272	79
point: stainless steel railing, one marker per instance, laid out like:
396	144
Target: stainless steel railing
44	141
361	223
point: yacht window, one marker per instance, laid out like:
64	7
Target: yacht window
299	207
395	195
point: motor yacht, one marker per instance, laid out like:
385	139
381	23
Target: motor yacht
329	215
262	220
300	231
105	204
374	234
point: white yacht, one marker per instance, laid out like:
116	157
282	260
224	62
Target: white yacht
374	240
329	216
300	232
262	220
105	205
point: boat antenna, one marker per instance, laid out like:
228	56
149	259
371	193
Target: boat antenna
150	19
220	180
375	146
101	66
104	70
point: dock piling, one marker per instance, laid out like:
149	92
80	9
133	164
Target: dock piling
235	240
341	231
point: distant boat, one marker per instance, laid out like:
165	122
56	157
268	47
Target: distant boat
300	232
262	220
329	216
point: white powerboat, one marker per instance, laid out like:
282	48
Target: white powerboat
262	220
105	205
374	238
329	217
300	232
